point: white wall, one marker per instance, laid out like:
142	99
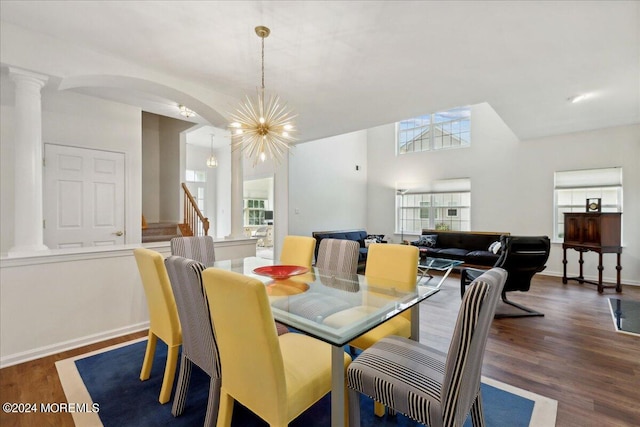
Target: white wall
196	159
171	158
151	167
50	306
52	303
326	192
512	182
487	162
81	121
162	167
6	170
223	192
618	146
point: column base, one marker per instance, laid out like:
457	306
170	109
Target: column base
23	250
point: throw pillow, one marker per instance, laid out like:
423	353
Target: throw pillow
367	242
495	247
428	240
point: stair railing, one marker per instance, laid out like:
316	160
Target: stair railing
194	223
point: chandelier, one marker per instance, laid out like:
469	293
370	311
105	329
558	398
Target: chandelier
212	162
262	128
184	111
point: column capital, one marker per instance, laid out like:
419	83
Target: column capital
19	74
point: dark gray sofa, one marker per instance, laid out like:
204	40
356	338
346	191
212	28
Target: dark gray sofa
471	247
356	235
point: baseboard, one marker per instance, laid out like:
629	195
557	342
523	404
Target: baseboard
26	356
607	280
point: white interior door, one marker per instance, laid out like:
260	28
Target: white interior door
83	197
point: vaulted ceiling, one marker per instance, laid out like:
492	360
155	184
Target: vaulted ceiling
345	66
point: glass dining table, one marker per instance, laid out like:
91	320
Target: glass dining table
335	308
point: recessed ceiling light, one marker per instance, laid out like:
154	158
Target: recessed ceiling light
577	98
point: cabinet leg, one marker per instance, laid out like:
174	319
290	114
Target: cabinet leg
564	266
619	269
600	268
581	263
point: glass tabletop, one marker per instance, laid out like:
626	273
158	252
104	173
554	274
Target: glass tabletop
331	306
439	264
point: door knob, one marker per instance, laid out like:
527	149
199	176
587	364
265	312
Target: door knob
118	233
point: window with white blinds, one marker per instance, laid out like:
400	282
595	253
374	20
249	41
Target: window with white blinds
573	188
442	205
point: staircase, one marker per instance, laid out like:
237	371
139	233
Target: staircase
195	223
159	232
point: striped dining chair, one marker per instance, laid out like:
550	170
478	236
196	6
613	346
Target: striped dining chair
198	248
387	265
198	341
429	386
338	255
199	345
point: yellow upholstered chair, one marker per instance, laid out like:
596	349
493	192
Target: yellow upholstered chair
397	263
163	317
298	250
276	377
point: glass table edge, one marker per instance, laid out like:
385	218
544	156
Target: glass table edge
445	263
315	330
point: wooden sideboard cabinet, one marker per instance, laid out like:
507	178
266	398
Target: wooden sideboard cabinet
592	231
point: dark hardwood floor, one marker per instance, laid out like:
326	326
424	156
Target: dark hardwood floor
572	355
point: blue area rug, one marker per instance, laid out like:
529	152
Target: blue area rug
112	380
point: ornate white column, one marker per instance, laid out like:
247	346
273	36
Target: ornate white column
237	201
28	234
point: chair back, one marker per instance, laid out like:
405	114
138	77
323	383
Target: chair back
247	340
297	250
466	351
199	248
198	341
522	257
338	255
163	314
398	263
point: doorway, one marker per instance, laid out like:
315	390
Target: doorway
258	213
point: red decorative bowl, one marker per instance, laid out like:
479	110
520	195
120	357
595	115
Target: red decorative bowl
280	272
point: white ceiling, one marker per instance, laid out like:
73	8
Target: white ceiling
345	66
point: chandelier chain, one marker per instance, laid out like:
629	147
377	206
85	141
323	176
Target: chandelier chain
262	63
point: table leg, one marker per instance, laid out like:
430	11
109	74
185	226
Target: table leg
446	274
338	396
415	322
424	271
